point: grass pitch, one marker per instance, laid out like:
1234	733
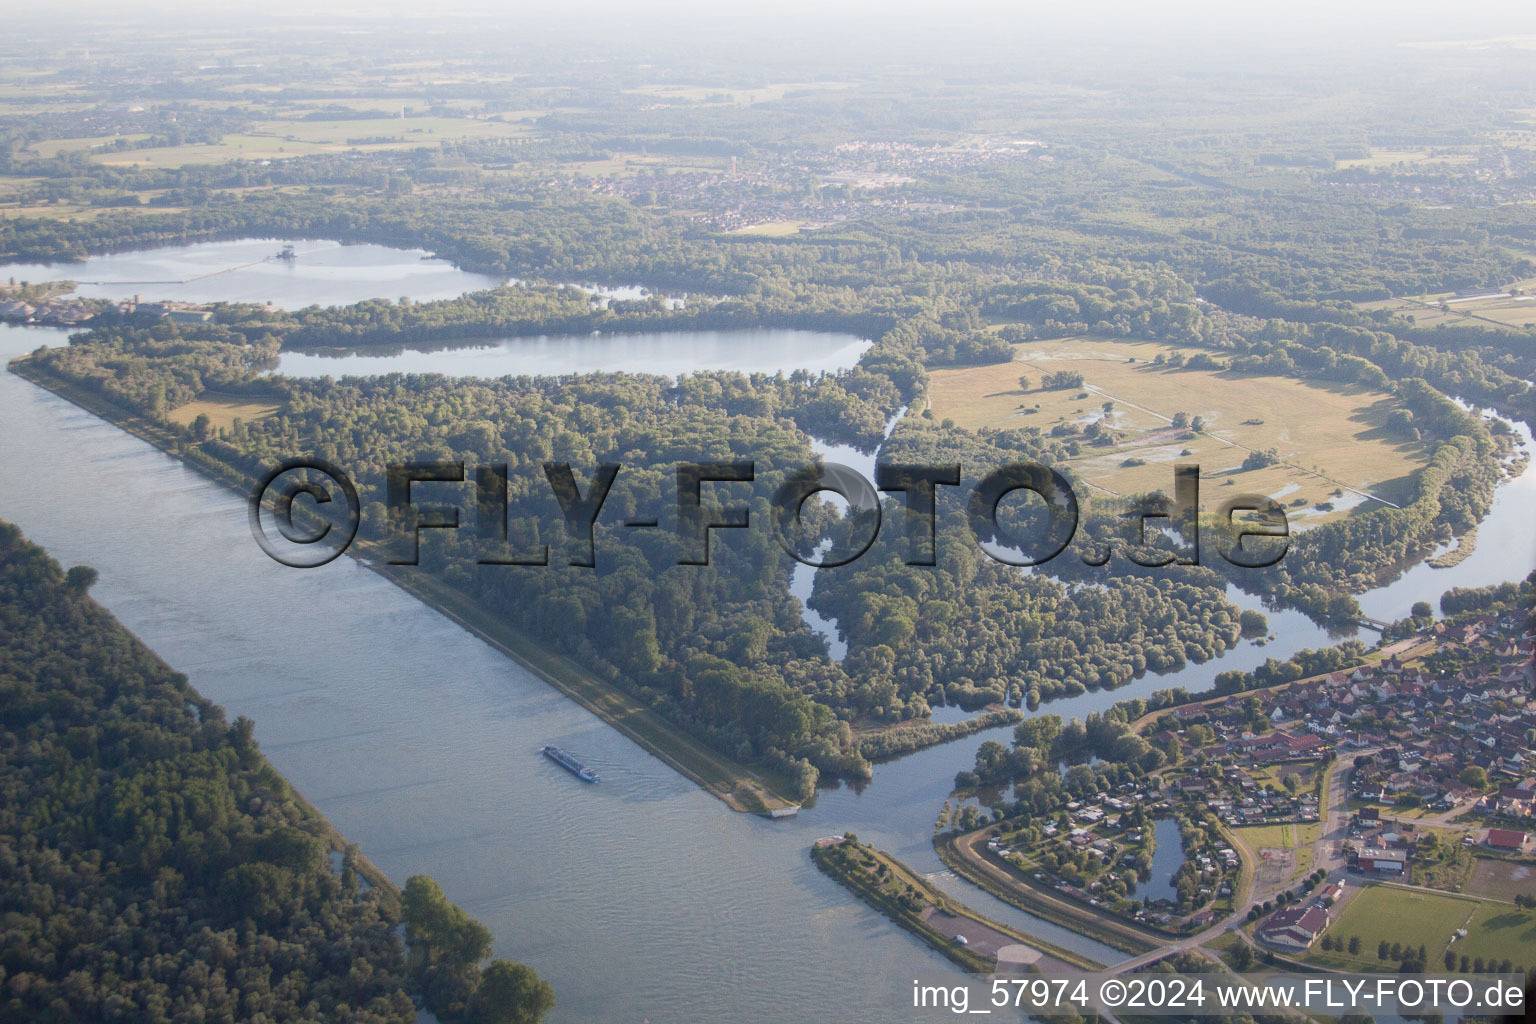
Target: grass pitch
1414	918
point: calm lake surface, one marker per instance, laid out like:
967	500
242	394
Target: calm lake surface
325	274
1167	856
641	898
760	350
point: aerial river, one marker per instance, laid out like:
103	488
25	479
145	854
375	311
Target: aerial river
641	898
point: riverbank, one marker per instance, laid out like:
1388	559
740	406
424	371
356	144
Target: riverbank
335	841
1465	545
960	855
1405	649
420	742
886	743
740	788
911	902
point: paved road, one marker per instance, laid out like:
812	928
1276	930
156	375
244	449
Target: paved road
1328	851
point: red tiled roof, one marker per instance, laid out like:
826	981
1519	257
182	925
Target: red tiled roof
1505	838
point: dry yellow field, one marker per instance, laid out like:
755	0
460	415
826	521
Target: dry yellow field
222	411
1330	440
1511	307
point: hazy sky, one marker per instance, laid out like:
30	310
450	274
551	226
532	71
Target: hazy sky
1318	19
1306	38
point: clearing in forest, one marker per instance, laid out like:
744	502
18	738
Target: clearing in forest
1334	449
222	410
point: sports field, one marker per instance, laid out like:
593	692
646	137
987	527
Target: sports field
1331	440
1279	837
1498	932
1414	918
1284	851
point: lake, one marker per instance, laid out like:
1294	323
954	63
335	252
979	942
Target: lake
328	273
1167	857
324	274
760	350
639	898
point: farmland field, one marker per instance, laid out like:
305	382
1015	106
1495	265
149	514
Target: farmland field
1393	157
1513	306
773	229
1331	441
273	140
725	94
626	164
55	147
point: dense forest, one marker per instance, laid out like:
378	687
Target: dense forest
159	869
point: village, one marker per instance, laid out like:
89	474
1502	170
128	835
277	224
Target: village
806	189
1290	821
1432	732
1411	770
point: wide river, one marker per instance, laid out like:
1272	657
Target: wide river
640	898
